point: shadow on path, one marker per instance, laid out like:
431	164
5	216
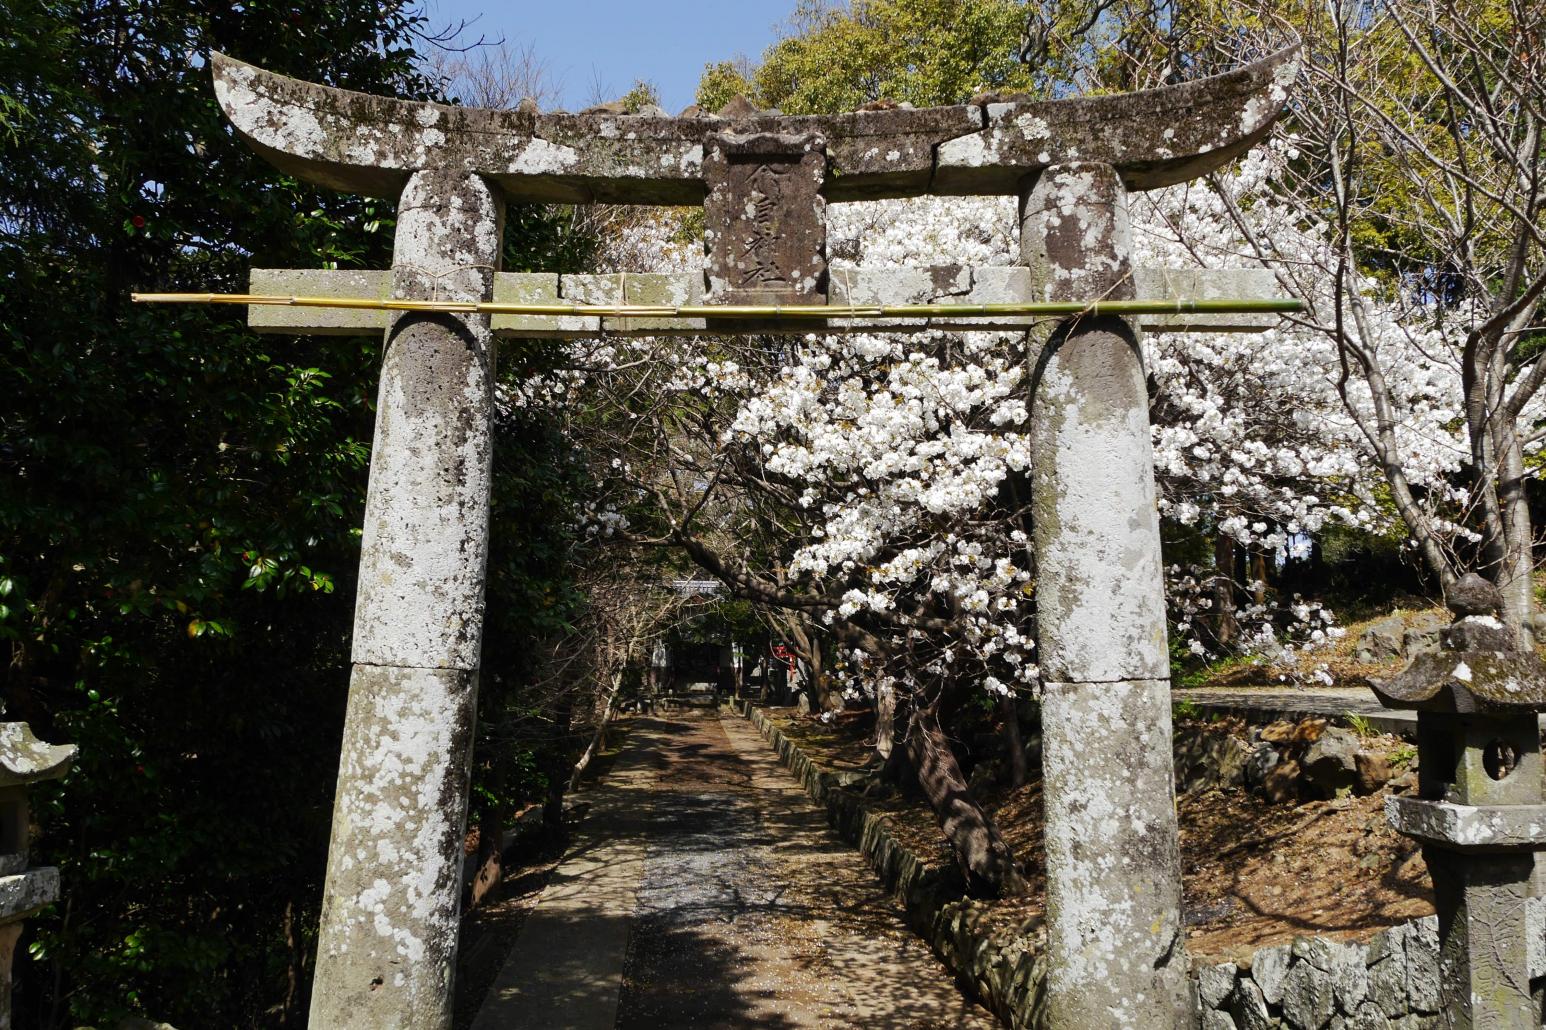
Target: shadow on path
704	890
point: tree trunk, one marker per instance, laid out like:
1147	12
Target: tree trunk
1226	628
885	720
1009	711
1515	574
599	738
984	858
553	809
808	646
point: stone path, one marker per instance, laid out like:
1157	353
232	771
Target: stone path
705	890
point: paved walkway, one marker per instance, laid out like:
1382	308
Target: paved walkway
704	890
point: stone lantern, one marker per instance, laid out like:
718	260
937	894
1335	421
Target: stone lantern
24	760
1478	813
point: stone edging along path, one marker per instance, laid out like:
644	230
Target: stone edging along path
1390	980
1004	970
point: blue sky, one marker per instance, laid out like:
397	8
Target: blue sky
615	42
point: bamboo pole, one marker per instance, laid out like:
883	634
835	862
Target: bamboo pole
1179	306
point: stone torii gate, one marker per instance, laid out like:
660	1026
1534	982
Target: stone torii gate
386	950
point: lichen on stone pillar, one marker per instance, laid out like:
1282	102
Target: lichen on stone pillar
1116	955
386	950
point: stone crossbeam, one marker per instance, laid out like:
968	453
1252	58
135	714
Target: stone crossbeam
368	144
942	284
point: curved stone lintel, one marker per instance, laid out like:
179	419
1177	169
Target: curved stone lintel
1154	137
362	143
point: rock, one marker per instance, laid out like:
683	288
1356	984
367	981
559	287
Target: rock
1261	761
1421	635
1308	998
1282	782
1422	965
1538	624
1387	971
1213	1019
1279	732
1407	781
1368	1017
1249	1007
1210	760
1372	771
1329	764
1349	976
1535	927
1269	967
802	703
739	107
1216	983
1308	731
1382	640
1473	595
610	107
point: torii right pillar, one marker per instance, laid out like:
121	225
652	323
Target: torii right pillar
1115	950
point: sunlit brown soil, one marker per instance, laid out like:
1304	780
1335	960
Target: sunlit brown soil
1255	872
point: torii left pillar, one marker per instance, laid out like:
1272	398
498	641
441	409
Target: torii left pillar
386	950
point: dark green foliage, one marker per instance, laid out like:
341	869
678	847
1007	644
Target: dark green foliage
180	500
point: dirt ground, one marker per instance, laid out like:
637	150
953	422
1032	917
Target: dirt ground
1254	872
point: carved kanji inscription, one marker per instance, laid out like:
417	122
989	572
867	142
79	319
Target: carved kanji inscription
765	219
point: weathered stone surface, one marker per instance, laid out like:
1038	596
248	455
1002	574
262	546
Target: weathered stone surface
387	945
1282	781
1204	760
1476	633
1422	634
1372	771
1483	958
1213	1019
1468	681
765	230
23	894
1329	764
425	544
1468	826
1115	947
1368	1017
1249	1007
1099	599
1269	968
1422	965
1381	640
1473	595
1387	971
1308	998
1113	866
25	759
1216	983
367	144
1349	975
1156	138
1261	761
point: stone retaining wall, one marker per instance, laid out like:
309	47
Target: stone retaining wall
1005	970
1315	983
